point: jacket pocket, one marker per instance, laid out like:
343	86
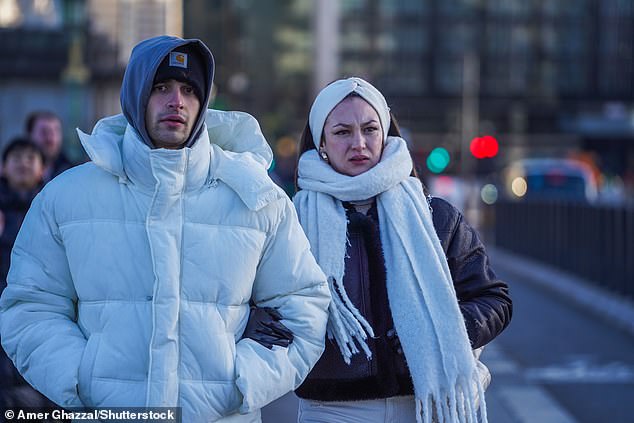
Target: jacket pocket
86	368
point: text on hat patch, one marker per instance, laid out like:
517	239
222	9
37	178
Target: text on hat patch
178	59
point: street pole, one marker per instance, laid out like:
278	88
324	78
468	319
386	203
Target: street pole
326	30
75	74
470	128
470	109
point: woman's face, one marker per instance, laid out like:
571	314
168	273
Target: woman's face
353	138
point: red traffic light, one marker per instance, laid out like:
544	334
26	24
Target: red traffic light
484	147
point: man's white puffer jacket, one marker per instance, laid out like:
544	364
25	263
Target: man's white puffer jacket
132	275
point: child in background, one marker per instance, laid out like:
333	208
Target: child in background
21	180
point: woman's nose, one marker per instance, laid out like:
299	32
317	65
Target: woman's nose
358	140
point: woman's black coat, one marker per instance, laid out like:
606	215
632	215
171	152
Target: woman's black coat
482	297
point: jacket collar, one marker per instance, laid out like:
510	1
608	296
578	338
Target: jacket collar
237	154
184	169
116	147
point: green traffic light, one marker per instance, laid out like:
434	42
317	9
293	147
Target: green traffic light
438	160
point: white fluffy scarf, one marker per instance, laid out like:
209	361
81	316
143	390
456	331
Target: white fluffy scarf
420	289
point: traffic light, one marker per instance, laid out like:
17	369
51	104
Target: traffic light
484	147
438	160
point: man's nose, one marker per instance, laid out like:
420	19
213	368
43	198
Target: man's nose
175	99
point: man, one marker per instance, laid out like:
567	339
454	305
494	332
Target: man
132	277
44	128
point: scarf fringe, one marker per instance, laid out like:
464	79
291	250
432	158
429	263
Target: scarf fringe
346	325
462	404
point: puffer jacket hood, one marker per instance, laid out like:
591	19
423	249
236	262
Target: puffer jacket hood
139	77
240	153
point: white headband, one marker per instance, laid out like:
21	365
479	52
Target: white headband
332	95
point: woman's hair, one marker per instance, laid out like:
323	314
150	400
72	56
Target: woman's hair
306	143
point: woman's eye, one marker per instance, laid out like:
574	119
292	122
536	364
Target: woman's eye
371	129
341	132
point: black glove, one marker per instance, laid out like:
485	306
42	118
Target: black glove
394	341
265	328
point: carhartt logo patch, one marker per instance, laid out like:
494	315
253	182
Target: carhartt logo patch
178	59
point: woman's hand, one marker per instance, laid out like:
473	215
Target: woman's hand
394	341
265	328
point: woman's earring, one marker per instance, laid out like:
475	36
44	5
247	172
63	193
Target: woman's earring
323	155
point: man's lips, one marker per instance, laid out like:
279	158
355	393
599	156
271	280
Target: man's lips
173	119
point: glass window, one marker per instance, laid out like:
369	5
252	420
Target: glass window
573	40
495	78
448	76
352	5
549	39
510	7
616	8
616	39
547	78
519	72
354	38
520	40
609	40
355	66
573	77
568	39
387	42
498	39
456	7
403	75
403	7
412	39
461	38
555	8
31	13
615	77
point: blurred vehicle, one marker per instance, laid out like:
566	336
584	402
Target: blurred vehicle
549	178
450	188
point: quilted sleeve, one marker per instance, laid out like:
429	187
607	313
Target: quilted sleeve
289	280
37	309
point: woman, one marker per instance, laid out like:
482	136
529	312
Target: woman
412	289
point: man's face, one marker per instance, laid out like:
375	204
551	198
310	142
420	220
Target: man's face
47	134
23	169
171	113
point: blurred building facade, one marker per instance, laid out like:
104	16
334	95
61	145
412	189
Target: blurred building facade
68	56
126	22
551	76
546	77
